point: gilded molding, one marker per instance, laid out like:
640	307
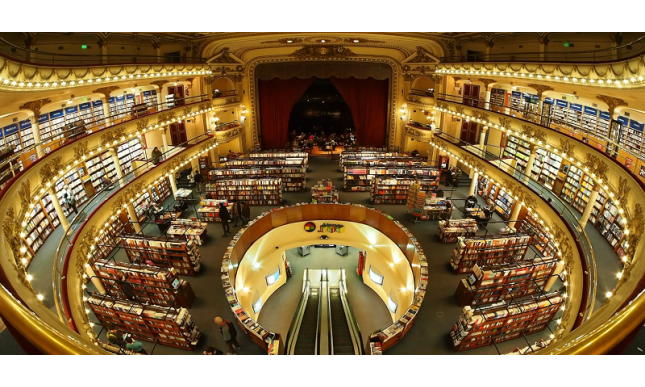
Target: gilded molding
106	90
322	52
622	193
80	150
540	88
51	170
228	135
143	123
612	102
35	106
159	84
566	146
596	166
486	81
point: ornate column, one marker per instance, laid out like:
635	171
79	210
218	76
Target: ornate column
540	92
544	42
473	182
617	40
173	183
95	280
530	162
106	91
132	213
517	206
489	45
35	106
117	165
58	208
482	138
157	47
487	82
612	104
104	51
592	200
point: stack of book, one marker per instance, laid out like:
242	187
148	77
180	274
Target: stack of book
450	230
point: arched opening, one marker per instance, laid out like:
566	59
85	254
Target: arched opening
423	84
223	84
321	110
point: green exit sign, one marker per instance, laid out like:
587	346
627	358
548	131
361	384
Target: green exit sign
84	46
566	44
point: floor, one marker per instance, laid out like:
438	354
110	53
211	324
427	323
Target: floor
436	316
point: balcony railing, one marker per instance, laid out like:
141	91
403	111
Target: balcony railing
24	55
627	50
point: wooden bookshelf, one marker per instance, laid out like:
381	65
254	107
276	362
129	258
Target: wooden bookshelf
38	229
209	210
166	325
582	196
519	150
395	190
293	177
450	230
112	232
504	321
151	284
324	192
598	206
488	250
164	252
357	155
492	283
359	178
530	225
252	191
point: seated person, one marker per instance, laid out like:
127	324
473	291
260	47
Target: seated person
471	202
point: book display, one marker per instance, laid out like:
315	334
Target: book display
57	124
560	111
151	284
160	190
602	130
504	204
631	135
209	210
38	228
127	152
589	120
365	158
451	230
504	321
75	185
532	226
437	208
150	98
574	118
141	205
163	252
488	251
416	201
252	191
11	137
50	210
109	239
280	154
516	99
395	190
492	283
519	150
571	184
166	325
598	206
189	230
324	192
608	224
292	171
497	99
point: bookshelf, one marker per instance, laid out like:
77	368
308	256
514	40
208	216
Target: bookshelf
360	178
602	129
47	204
26	134
492	283
519	150
141	205
488	250
516	99
166	325
451	230
550	166
38	228
608	224
589	120
416	200
358	155
188	230
582	196
127	152
109	239
252	191
151	284
372	158
293	178
57	124
560	110
631	136
324	192
531	225
504	204
163	252
497	99
598	206
278	154
160	191
574	117
571	184
395	190
504	321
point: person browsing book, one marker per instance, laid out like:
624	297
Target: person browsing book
225	217
227	329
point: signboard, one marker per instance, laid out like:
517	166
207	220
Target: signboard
10	129
310	226
97	103
622	120
636	125
71	110
629	162
605	115
562	103
576	107
591	111
549	100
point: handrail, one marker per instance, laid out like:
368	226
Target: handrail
567	216
595	56
354	329
294	328
86	59
330	327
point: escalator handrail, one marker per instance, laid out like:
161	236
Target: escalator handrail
330	332
354	329
294	329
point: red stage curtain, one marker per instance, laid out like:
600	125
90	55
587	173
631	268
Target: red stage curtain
277	97
367	99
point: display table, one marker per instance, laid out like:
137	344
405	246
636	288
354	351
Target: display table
437	208
189	230
166	217
183	193
209	209
324	192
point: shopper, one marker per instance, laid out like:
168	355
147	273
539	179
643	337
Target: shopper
126	287
246	213
114	337
449	178
212	351
70	201
225	217
198	181
155	156
134	345
237	213
227	329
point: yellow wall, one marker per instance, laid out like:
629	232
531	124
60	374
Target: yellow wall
262	258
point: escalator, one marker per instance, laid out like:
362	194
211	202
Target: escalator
342	337
308	332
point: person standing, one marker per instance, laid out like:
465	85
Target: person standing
126	288
71	202
134	345
225	217
155	156
227	329
246	213
237	212
198	181
114	337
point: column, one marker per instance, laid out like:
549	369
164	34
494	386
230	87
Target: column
487	100
473	183
164	138
35	129
104	51
117	165
482	138
58	208
544	43
515	213
106	111
195	164
95	280
529	163
173	182
157	47
489	46
592	199
133	215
